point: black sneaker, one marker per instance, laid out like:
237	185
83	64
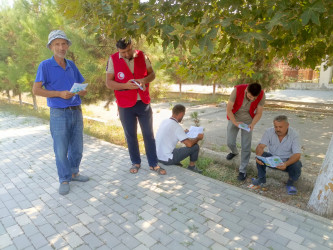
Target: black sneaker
241	176
258	181
194	169
230	156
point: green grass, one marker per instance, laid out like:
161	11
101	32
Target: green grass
193	98
24	110
107	132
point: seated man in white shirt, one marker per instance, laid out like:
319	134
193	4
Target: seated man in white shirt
282	141
167	137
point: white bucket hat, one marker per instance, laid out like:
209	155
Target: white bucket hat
54	34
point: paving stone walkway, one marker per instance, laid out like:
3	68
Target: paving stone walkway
119	210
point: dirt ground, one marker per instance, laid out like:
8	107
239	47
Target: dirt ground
315	129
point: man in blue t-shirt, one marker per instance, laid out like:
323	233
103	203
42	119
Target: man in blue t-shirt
55	77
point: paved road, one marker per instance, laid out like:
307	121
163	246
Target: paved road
296	95
118	210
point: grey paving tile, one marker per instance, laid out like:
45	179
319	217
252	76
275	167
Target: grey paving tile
116	210
93	241
30	229
14	231
114	229
254	236
11	247
5	241
109	240
56	241
38	240
47	230
271	244
217	237
8	221
315	245
129	240
73	240
96	228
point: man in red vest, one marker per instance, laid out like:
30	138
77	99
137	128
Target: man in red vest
129	73
245	106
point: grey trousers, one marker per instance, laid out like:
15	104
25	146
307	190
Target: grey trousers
246	139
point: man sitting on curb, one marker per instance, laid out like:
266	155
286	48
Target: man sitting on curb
282	141
167	137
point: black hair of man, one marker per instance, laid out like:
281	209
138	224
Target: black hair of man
177	109
122	43
254	89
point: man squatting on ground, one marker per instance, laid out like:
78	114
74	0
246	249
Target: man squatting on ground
245	105
282	141
123	68
167	137
55	77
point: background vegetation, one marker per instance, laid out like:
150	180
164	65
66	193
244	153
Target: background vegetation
209	42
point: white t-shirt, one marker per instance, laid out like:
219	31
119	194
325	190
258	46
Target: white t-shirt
167	137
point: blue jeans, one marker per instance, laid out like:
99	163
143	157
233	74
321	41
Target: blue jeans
294	170
180	154
66	128
129	117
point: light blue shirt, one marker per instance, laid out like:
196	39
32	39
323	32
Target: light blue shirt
55	78
284	149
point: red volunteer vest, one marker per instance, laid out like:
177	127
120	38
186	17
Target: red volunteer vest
240	97
122	74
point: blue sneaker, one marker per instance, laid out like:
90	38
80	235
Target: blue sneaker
64	188
81	178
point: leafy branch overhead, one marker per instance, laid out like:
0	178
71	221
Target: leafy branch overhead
300	31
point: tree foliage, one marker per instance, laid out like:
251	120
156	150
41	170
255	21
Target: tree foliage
24	32
299	31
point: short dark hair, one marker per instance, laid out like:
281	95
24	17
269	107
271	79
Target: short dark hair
254	88
177	109
122	43
281	118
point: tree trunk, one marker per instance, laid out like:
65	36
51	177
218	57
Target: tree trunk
34	100
214	88
180	89
20	98
8	96
321	200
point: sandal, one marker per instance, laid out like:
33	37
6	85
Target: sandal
159	170
254	187
134	169
291	190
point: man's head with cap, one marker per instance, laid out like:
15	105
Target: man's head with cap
57	34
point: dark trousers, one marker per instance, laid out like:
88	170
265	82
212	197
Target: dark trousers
129	116
294	170
180	154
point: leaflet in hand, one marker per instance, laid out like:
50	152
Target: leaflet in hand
138	84
77	87
244	126
272	161
194	131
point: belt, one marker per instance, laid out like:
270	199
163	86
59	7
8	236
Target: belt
74	107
